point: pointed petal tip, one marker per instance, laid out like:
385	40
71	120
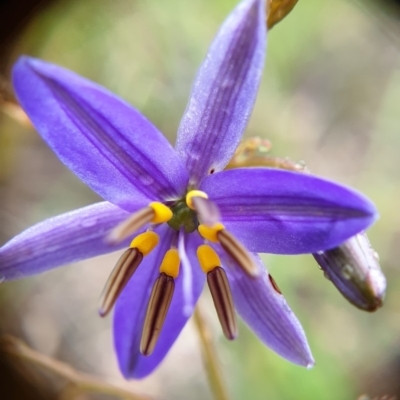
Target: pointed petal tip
310	365
295	211
60	240
300	354
24	62
359	202
224	91
75	116
369	207
266	312
306	360
23	59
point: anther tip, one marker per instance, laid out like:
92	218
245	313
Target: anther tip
146	351
255	273
111	239
129	226
310	365
232	335
252	270
103	312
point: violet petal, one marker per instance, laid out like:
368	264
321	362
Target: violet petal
224	92
57	241
131	308
107	143
283	212
268	315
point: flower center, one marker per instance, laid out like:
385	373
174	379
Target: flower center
194	212
183	217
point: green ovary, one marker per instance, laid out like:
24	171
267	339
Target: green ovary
184	217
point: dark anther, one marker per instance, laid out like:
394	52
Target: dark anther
223	302
274	284
122	272
160	300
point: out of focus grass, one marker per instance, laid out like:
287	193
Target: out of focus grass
330	96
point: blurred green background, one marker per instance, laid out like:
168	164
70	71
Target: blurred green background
330	96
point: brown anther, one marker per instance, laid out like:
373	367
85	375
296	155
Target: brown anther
160	300
274	284
131	225
223	302
238	253
122	272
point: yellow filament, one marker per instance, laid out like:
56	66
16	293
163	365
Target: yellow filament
194	193
211	233
170	263
162	213
145	242
208	258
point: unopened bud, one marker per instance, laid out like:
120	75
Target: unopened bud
353	267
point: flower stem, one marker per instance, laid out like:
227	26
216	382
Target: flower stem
210	359
78	381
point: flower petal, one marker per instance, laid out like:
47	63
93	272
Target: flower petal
267	313
131	308
224	92
108	144
285	212
64	239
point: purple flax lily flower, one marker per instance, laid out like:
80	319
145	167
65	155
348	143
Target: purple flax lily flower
187	211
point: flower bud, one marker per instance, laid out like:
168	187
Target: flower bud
353	267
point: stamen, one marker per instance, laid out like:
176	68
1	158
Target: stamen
155	213
238	252
211	233
122	272
170	264
207	210
131	225
218	234
157	309
274	284
194	193
162	213
141	246
219	288
145	242
208	258
222	298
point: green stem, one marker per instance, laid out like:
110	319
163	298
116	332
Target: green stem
213	370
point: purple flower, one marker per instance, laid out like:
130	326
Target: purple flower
187	211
